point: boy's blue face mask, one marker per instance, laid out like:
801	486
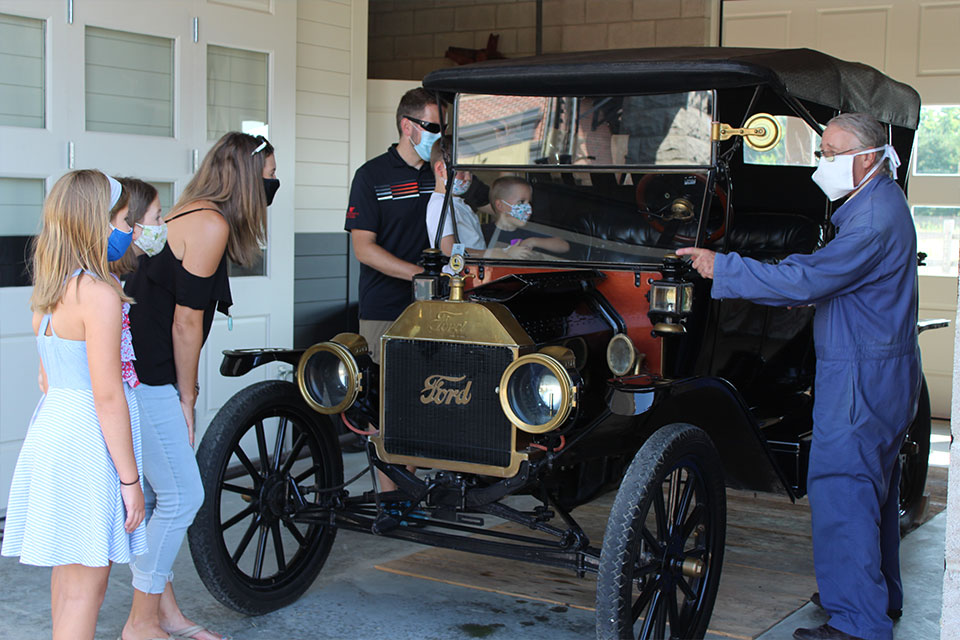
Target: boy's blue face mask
118	243
521	211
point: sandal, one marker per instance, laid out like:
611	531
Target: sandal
189	633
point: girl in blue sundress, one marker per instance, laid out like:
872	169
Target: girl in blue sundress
76	503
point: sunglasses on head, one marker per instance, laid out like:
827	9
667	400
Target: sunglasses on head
261	146
432	127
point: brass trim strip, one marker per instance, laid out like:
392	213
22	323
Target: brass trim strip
509	471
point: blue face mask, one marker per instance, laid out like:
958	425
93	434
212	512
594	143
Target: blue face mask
425	146
460	186
521	211
118	243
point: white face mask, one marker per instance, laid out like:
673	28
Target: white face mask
835	176
152	238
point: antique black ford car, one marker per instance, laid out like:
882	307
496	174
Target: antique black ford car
602	366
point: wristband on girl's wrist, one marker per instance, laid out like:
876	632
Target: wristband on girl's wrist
130	484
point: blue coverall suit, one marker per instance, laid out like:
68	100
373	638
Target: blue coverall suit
864	286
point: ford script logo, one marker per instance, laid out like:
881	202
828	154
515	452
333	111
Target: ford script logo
449	322
436	390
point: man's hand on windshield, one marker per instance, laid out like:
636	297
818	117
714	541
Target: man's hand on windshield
702	259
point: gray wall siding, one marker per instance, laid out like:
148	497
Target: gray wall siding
322	287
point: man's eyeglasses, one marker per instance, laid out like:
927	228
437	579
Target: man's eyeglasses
826	155
432	127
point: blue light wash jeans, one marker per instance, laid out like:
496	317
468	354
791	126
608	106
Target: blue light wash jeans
172	488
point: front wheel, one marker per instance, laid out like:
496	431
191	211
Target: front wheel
265	456
663	547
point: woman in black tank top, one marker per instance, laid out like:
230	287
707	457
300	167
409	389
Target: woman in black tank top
221	214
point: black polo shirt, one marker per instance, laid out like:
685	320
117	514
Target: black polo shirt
389	198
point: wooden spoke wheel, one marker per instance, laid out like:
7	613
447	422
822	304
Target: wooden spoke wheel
265	457
663	548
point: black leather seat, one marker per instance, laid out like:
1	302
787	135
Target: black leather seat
767	236
612	215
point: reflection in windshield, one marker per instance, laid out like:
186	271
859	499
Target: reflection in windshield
667	129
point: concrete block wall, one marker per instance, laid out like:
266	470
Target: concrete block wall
408	38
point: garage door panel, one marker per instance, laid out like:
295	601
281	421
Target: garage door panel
938	50
858	34
759	29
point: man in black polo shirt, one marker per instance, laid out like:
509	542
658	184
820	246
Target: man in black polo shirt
386	217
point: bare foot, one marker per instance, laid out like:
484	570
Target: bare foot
146	631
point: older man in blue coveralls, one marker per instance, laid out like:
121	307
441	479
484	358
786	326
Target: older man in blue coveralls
864	286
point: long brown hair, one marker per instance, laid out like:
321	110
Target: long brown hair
76	224
231	177
137	196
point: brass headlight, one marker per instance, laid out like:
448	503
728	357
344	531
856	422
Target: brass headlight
537	391
621	355
328	374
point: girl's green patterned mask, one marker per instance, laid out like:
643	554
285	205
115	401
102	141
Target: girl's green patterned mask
152	238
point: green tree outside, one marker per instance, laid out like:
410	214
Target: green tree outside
938	141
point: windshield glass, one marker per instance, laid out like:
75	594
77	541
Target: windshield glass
588	217
650	130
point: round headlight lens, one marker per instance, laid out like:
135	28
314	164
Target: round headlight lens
328	377
621	355
536	393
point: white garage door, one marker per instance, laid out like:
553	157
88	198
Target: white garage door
140	89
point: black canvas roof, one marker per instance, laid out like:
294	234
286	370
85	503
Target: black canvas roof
802	73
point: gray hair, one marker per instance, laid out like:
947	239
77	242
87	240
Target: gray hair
870	133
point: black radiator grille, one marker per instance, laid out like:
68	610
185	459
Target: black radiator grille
462	419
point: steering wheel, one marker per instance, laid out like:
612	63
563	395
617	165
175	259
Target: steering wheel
665	207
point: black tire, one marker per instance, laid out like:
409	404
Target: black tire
646	542
914	461
230	465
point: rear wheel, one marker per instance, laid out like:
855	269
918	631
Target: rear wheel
914	461
265	457
663	548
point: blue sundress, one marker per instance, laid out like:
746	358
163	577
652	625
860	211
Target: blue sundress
65	505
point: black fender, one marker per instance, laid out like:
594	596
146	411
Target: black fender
237	362
714	405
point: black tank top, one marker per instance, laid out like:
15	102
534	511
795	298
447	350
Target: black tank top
158	285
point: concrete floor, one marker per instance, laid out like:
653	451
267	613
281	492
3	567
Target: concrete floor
352	600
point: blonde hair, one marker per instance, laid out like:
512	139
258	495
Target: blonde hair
76	225
231	176
505	185
138	196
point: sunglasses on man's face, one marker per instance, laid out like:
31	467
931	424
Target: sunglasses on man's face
432	127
